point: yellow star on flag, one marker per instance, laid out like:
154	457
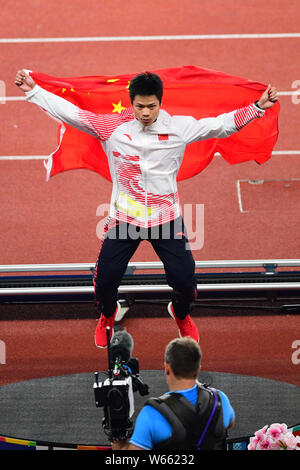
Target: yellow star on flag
118	108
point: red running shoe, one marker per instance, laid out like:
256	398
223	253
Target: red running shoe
186	326
103	323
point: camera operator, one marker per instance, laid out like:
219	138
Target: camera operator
189	416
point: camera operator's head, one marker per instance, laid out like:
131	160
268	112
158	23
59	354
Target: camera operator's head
182	361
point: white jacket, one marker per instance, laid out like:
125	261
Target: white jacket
143	161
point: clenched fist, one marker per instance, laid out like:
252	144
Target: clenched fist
24	81
268	98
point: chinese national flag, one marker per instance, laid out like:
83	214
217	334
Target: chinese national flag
188	90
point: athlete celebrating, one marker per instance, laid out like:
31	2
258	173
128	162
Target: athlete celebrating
144	146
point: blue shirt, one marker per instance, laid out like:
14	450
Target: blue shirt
152	427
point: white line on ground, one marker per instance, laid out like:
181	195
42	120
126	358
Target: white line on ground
239	195
24	157
286	152
152	38
289	93
239	181
278	152
12	98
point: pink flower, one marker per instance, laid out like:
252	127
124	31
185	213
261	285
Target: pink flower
266	444
276	445
251	446
283	427
275	430
289	441
261	433
253	443
276	437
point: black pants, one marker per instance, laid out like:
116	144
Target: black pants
120	241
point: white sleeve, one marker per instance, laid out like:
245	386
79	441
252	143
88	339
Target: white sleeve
222	126
67	112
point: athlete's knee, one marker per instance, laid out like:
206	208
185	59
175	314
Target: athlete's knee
187	294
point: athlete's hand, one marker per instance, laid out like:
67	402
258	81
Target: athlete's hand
24	81
268	98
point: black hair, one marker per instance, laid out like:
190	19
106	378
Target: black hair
146	84
184	357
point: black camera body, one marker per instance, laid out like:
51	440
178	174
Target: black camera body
115	394
116	397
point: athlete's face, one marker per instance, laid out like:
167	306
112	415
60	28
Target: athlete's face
146	109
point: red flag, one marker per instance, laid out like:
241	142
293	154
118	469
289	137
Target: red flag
188	90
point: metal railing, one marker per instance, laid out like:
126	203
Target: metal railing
151	265
268	265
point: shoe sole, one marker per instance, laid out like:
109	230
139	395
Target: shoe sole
121	313
171	314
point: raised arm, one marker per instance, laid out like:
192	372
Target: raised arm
98	125
228	123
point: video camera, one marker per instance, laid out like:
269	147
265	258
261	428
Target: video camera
115	394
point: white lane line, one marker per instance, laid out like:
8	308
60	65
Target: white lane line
176	37
289	93
262	181
24	157
45	157
22	98
275	152
286	152
12	98
239	195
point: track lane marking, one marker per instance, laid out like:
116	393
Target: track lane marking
45	157
258	181
175	37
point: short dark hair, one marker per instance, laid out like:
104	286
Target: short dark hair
184	357
146	84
